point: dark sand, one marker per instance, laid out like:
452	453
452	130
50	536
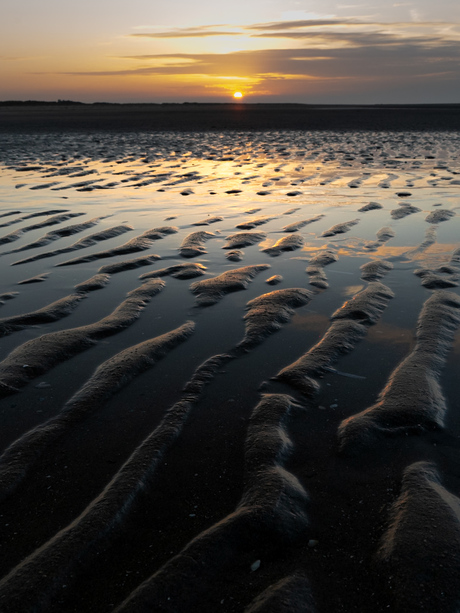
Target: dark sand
179	436
236	116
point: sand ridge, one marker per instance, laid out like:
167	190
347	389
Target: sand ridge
242	471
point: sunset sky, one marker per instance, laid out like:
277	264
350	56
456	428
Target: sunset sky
270	50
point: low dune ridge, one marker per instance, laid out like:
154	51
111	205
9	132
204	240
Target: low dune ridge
193	244
383	236
94	283
268	312
109	377
208	220
432	280
297	225
36	279
274	279
56	219
61	554
87	241
286	243
371	206
243	239
271	514
292	594
404	210
52	312
349	325
37	356
138	243
258	221
143	260
375	270
178	271
414	383
30	216
7	296
340	228
315	269
210	291
236	255
420	550
439	215
55	235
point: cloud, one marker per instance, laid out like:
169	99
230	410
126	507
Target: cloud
196	32
370	58
305	23
323	55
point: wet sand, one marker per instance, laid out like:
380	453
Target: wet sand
233	116
180	435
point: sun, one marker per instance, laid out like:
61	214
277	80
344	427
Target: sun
237	95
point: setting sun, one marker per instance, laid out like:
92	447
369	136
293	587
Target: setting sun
237	95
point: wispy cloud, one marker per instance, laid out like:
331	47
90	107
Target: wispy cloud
370	58
305	23
322	53
196	32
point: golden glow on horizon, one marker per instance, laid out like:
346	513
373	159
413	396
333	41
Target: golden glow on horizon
303	57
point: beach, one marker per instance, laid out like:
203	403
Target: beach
229	359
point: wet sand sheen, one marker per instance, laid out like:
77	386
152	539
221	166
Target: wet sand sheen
225	463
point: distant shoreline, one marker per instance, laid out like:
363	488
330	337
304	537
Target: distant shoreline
36	116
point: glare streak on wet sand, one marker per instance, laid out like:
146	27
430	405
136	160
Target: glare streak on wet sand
224	464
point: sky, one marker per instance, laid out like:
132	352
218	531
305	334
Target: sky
316	52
